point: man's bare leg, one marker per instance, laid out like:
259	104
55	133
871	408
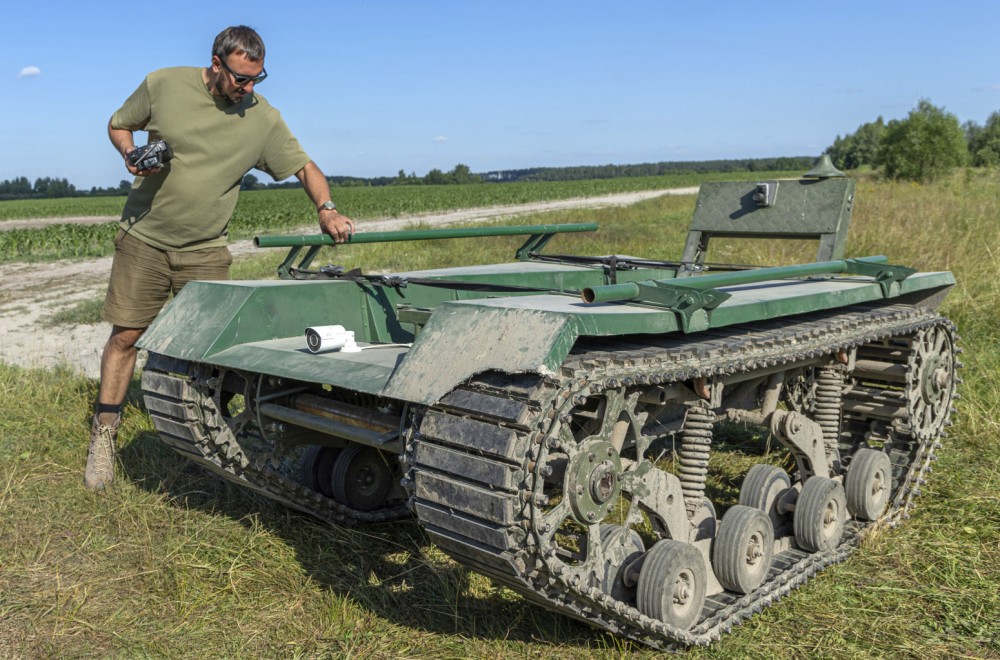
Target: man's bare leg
117	367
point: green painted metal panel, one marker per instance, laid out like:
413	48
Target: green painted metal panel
367	371
801	207
465	338
191	323
208	317
798	208
286	311
767	300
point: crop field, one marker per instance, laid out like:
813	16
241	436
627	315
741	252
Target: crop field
174	563
273	211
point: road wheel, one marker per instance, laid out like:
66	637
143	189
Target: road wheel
868	483
743	549
672	584
820	514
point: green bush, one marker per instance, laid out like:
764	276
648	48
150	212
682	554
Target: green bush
929	143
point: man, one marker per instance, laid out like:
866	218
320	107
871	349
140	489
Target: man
175	223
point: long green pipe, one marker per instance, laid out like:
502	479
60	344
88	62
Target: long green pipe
630	291
422	234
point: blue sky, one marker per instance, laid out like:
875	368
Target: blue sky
371	87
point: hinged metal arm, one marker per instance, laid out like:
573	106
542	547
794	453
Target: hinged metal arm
690	304
888	277
692	298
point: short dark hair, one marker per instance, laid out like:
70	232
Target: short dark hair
239	39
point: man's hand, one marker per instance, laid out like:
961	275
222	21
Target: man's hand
121	138
338	226
133	169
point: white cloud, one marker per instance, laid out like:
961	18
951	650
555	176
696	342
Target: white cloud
29	71
440	138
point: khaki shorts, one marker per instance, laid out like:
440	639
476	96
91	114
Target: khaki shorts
143	277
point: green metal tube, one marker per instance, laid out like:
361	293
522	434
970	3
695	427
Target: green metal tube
422	234
753	276
610	293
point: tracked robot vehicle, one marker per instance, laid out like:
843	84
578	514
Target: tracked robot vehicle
550	421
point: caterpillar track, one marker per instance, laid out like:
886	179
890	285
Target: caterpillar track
189	402
493	465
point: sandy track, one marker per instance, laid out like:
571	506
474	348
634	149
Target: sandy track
32	293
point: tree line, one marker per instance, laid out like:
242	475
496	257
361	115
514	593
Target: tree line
929	143
650	169
47	187
461	174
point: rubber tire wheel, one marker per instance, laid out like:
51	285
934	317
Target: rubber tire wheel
820	514
317	463
869	469
361	478
633	548
665	566
762	486
309	467
742	530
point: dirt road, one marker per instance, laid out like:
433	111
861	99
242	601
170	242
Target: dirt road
31	293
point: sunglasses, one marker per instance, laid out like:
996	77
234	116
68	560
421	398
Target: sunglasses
243	80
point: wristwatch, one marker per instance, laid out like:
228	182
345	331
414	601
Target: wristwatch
326	206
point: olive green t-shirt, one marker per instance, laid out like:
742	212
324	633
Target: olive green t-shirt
187	205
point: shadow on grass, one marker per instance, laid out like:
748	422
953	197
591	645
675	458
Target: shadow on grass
391	569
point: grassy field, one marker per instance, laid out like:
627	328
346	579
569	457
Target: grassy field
390	201
172	563
274	211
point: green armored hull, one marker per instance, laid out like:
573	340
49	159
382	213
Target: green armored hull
551	421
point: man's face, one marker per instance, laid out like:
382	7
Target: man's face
237	64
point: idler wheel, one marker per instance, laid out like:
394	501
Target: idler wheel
361	478
932	379
868	483
743	549
672	584
820	514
